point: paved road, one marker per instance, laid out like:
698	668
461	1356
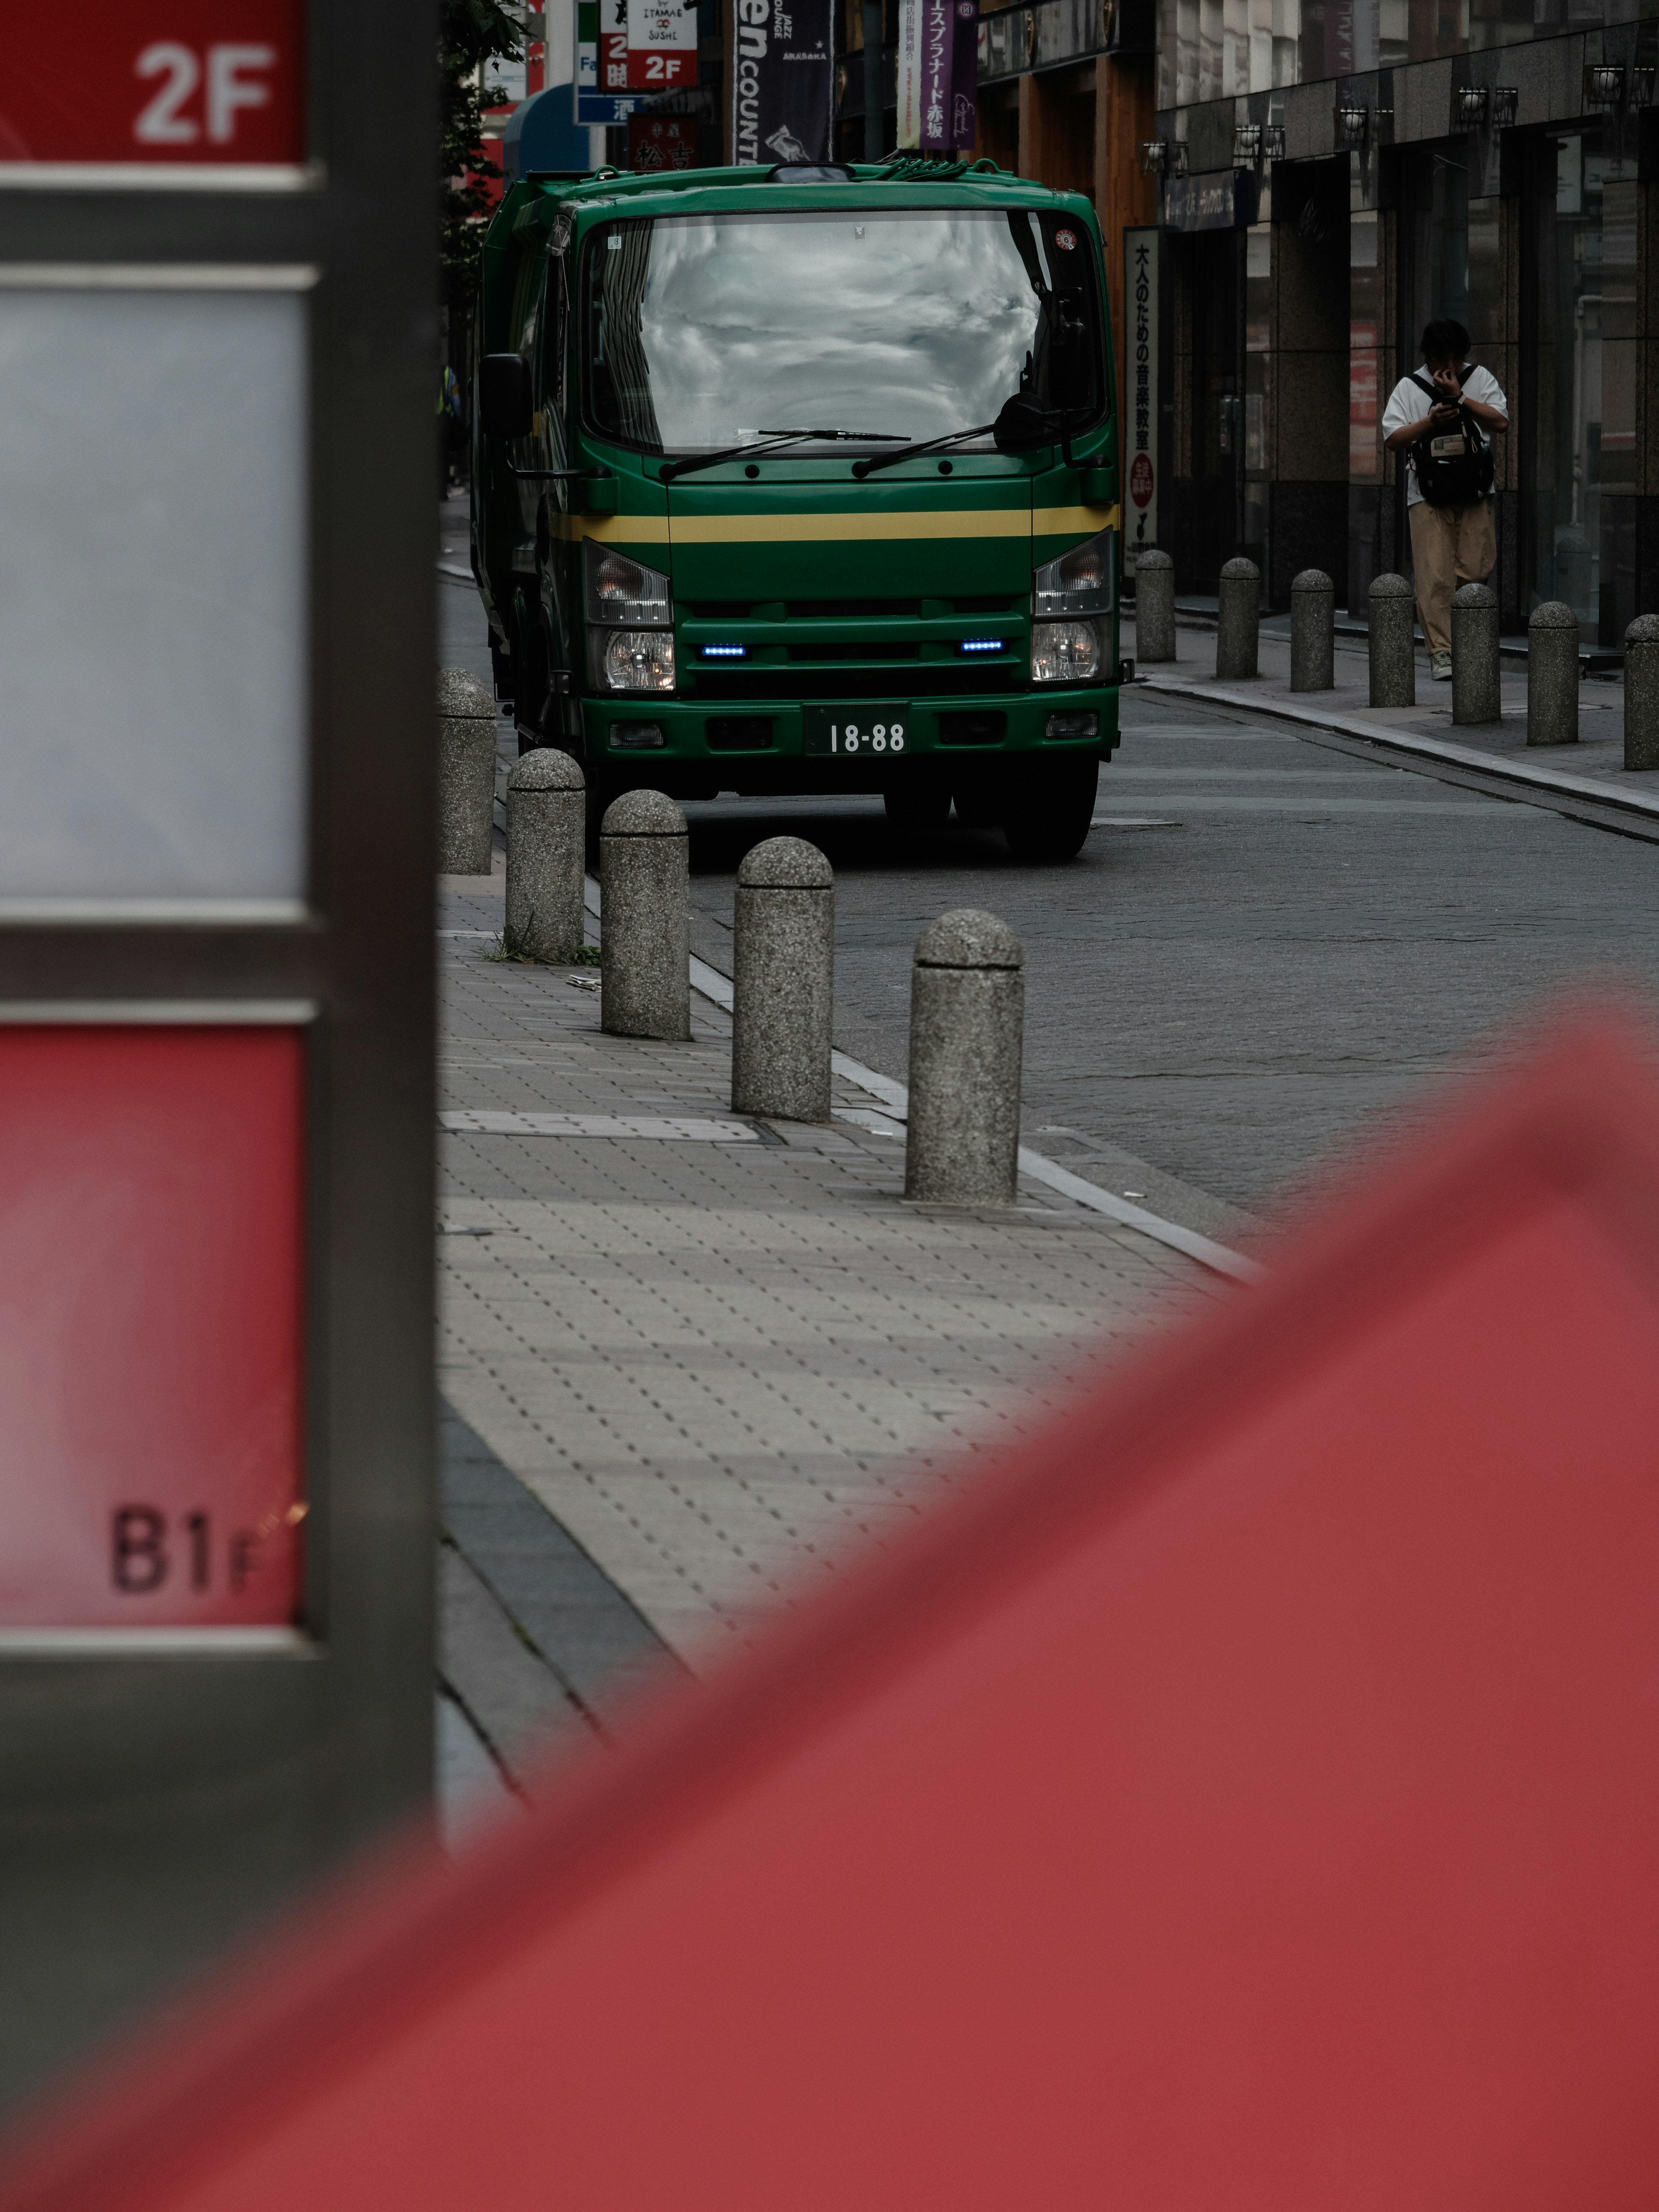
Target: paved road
1265	951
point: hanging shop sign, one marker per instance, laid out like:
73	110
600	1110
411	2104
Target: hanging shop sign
783	81
661	142
662	43
1141	392
601	65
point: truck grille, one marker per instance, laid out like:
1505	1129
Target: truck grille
936	680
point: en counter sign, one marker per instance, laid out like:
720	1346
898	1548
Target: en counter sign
1140	392
189	81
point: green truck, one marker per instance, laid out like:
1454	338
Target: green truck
805	480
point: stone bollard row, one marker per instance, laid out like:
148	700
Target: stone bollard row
1313	632
1476	695
1392	649
466	775
546	819
967	1033
1238	625
645	914
1641	693
1552	675
1155	625
783	973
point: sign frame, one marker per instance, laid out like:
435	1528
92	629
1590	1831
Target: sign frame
159	1799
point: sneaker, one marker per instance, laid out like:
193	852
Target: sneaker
1440	667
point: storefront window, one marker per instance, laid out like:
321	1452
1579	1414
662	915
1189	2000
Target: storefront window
1583	415
1434	200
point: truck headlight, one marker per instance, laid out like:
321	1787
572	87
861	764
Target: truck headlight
1067	652
1080	582
624	591
632	660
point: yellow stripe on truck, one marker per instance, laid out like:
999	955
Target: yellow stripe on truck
804	529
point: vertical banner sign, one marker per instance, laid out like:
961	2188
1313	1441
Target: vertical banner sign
602	93
782	81
965	78
662	43
613	45
909	76
947	74
1140	392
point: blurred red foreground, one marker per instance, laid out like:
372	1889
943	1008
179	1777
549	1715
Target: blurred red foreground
1252	1800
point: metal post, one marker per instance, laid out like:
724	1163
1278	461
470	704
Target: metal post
1313	632
1641	693
873	100
546	821
466	775
1238	626
1476	695
1552	675
967	1031
645	937
1392	648
1154	629
783	962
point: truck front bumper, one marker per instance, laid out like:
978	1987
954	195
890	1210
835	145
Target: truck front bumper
948	733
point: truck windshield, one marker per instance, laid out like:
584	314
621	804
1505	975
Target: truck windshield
703	330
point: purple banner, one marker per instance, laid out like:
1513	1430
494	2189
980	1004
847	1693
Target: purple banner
949	75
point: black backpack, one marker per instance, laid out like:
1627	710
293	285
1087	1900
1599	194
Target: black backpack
1454	468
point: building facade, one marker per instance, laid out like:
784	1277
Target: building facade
1322	178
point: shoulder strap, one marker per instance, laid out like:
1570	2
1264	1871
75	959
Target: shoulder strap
1416	379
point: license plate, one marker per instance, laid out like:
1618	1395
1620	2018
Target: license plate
856	731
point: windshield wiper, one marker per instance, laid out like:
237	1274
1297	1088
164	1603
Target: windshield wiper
769	442
928	446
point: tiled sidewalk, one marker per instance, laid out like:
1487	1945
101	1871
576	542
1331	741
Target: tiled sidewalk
718	1365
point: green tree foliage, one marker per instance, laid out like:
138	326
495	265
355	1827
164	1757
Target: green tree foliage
470	31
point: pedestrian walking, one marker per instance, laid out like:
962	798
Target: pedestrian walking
1442	418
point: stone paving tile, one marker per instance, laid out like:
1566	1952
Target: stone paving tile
722	1366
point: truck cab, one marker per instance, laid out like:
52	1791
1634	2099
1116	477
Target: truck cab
805	481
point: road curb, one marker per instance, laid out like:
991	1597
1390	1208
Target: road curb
1538	787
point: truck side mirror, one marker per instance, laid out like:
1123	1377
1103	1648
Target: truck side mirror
505	406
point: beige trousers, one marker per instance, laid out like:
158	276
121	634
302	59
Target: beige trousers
1450	545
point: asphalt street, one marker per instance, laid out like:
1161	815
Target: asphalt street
1269	954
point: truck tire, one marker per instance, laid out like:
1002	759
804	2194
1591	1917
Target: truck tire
921	809
1046	814
981	802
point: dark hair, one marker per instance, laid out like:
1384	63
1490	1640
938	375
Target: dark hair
1445	341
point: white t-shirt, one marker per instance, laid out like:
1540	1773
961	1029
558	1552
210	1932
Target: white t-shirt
1409	403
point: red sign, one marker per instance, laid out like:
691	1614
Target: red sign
154	80
1249	1796
149	1314
1142	479
661	142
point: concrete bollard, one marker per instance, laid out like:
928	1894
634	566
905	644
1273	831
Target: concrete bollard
546	818
645	913
967	1033
1552	675
1476	695
1393	648
1641	693
1155	629
1313	632
1238	629
783	969
467	773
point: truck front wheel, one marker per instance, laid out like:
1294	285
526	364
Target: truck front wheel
1047	811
